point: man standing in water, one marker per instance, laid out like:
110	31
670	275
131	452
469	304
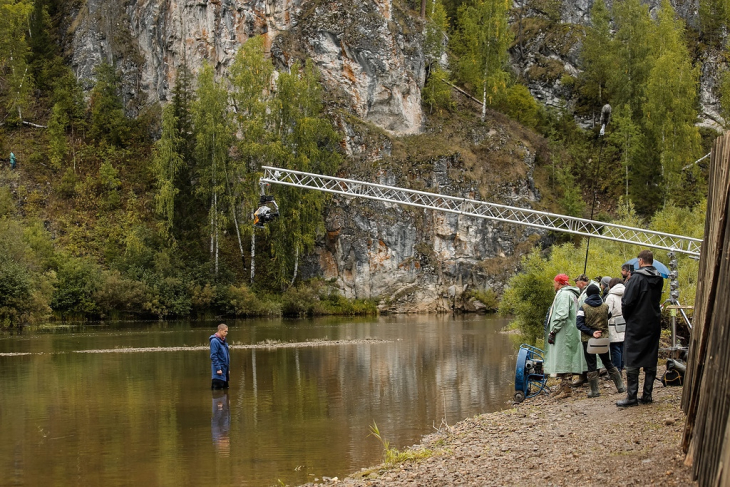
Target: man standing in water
219	358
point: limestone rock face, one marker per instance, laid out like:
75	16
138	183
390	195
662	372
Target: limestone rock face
359	47
417	260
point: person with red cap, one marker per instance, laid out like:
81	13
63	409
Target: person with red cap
563	348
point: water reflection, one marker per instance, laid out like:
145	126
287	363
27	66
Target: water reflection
291	414
220	422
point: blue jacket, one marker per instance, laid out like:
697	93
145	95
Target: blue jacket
219	357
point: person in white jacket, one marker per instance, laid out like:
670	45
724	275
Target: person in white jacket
616	324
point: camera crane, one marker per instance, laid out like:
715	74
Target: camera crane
482	209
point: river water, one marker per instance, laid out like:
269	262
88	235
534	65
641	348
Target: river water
130	403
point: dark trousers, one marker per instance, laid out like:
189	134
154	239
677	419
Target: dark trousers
591	358
617	355
220	384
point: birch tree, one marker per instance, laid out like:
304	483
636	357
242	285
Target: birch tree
167	163
251	78
14	49
480	44
305	141
213	138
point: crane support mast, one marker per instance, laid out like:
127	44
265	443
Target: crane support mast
483	209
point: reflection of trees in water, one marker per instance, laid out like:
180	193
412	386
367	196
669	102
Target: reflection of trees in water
220	422
426	369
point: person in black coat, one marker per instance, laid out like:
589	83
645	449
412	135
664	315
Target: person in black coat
640	305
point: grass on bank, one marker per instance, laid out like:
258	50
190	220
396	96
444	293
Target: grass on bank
392	456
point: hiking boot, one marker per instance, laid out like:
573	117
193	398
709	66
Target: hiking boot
565	390
582	379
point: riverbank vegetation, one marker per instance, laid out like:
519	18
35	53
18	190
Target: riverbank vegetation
530	293
118	206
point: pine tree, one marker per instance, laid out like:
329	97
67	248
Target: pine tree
633	51
671	99
597	56
108	122
626	136
481	44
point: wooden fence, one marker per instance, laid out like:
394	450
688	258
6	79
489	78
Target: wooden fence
706	395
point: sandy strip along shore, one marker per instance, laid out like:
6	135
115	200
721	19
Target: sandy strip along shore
258	346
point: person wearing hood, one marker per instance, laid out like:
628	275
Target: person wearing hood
563	342
592	321
220	358
604	287
582	282
641	310
617	324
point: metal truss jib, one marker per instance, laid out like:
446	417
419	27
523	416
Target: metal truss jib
483	209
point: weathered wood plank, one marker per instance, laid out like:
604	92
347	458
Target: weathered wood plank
706	395
714	399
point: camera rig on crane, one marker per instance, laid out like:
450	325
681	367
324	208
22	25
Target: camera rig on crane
268	209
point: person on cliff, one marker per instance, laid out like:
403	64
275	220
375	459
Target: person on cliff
592	321
563	340
220	358
640	306
582	282
617	324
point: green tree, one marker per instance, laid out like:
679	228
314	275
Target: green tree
305	141
625	135
167	162
14	50
213	137
713	18
670	110
481	44
597	56
632	47
108	122
437	24
251	79
725	99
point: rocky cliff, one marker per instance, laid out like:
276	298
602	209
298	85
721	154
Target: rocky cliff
372	64
368	52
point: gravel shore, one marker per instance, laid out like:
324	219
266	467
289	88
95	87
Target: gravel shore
570	442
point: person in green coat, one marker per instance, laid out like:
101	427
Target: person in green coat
563	349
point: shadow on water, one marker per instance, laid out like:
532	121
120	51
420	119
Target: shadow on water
299	407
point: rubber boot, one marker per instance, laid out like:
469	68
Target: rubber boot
632	388
616	376
582	379
593	382
649	377
565	390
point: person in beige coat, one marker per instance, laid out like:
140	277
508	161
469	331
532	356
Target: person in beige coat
613	300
